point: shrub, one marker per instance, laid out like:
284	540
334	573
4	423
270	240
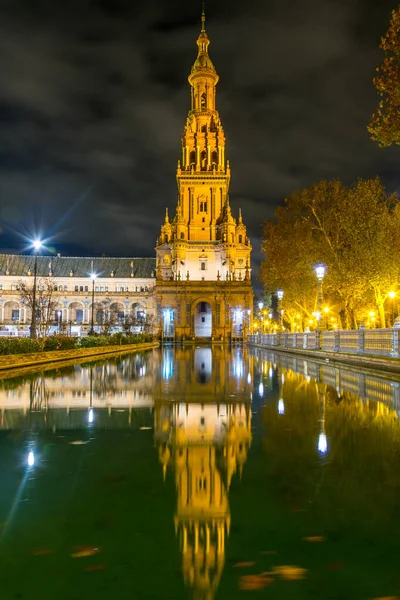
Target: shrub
14	345
59	342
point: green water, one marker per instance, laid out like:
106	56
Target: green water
199	473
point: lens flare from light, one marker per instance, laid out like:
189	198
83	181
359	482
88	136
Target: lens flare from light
31	459
281	407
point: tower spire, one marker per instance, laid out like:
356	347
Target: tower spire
203	18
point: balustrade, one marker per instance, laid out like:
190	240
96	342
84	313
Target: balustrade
383	342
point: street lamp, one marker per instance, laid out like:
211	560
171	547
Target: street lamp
58	313
93	278
320	273
279	294
37	244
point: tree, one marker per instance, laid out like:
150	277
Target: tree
385	123
354	231
45	301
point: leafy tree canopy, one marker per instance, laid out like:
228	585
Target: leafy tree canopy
385	123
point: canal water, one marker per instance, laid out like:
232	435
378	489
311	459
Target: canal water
199	473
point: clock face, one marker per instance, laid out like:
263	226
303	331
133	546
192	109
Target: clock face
167	259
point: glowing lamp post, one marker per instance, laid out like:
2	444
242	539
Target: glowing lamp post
320	270
37	244
279	294
93	277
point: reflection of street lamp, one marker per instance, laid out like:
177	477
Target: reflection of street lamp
279	294
31	459
37	244
281	404
322	439
58	313
320	273
93	278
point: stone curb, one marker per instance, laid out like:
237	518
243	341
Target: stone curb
390	365
16	361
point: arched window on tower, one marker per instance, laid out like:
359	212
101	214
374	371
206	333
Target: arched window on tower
203	100
203	160
214	158
165	239
192	158
182	235
240	239
232	238
203	266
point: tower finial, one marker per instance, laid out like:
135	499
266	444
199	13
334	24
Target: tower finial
203	18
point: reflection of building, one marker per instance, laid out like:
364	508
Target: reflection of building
203	255
202	375
111	390
205	443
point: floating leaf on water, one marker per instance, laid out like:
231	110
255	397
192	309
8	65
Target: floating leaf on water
78	442
145	428
290	572
245	564
314	538
254	582
83	551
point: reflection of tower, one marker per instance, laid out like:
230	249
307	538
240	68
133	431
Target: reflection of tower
205	446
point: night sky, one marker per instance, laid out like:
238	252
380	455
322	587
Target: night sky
94	97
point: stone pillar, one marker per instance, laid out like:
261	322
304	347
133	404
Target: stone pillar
197	158
336	340
361	338
395	343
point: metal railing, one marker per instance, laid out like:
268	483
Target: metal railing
383	342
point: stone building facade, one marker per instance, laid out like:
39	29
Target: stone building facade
198	286
124	287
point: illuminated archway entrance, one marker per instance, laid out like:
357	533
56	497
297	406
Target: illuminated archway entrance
203	320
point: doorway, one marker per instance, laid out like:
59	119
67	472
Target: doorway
203	320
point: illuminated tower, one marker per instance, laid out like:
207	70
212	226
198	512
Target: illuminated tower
203	253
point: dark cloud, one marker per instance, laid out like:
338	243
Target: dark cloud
94	97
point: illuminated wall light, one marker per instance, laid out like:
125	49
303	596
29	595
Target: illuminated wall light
281	407
322	443
31	459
